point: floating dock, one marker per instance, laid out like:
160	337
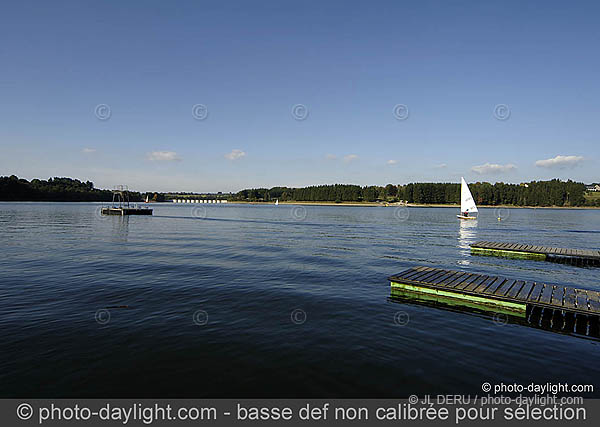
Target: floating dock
581	257
126	211
121	206
499	294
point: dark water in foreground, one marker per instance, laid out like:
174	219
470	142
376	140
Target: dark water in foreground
265	301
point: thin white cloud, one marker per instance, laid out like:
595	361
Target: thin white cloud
88	150
441	166
330	157
235	154
493	168
350	157
163	156
560	162
392	162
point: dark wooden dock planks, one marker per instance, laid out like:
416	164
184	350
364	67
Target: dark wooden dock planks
569	299
591	256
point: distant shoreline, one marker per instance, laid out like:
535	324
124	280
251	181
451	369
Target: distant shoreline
306	203
410	205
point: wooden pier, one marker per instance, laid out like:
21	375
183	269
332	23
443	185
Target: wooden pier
499	293
581	257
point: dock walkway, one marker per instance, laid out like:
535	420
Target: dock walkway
501	292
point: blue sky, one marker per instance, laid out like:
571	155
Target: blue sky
486	89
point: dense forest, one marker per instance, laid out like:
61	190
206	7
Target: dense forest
535	193
13	188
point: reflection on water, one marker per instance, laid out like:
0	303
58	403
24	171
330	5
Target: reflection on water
467	234
120	228
535	317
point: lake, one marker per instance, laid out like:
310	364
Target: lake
270	301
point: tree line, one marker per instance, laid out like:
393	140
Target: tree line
534	193
57	189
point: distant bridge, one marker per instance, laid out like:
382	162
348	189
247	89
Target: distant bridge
190	200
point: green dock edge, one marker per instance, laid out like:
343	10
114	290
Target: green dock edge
508	254
456	298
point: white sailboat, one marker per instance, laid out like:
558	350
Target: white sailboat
467	204
277	202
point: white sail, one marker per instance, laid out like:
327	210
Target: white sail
276	202
467	204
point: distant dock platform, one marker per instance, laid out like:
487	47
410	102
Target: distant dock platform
126	211
499	294
582	257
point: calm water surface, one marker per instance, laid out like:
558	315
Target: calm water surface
266	301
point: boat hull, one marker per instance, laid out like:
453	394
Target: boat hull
466	217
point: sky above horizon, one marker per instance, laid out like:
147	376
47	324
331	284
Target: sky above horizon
221	96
